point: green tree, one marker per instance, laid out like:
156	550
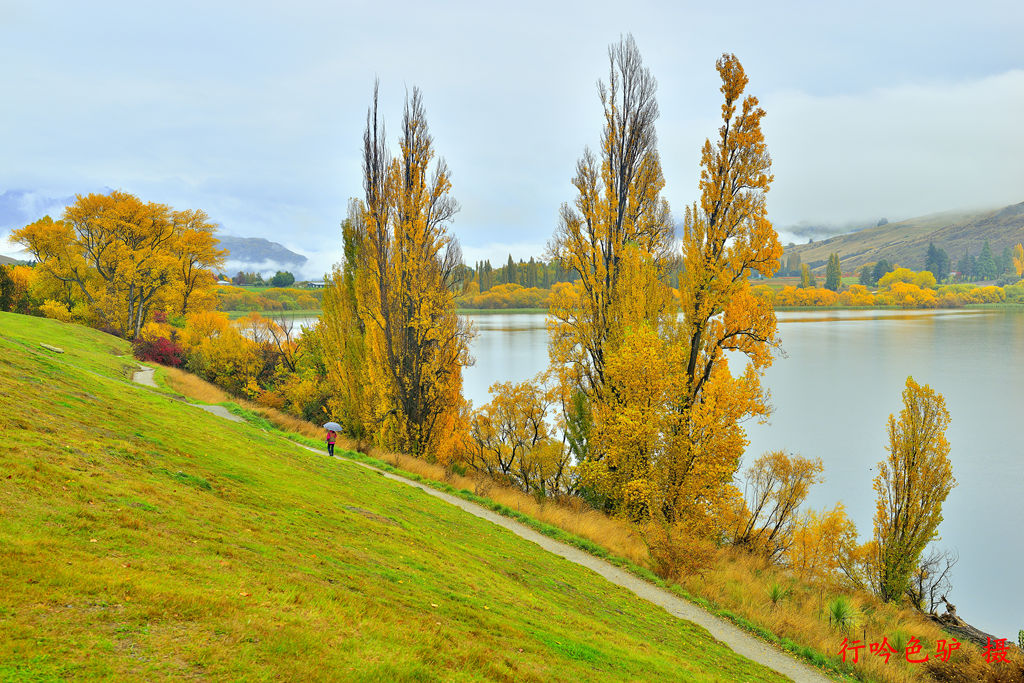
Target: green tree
793	263
881	268
937	262
866	275
807	278
282	279
986	267
6	289
912	485
833	273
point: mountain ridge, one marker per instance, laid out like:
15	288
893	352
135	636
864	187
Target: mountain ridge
906	242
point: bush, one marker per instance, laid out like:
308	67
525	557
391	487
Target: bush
159	350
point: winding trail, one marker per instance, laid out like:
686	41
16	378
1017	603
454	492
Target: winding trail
723	630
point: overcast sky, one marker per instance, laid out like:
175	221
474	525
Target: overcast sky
254	111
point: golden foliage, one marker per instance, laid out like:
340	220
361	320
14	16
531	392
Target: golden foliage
911	485
404	267
511	440
124	258
820	542
775	486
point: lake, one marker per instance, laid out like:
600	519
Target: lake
840	376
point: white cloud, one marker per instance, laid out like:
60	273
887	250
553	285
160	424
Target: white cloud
897	152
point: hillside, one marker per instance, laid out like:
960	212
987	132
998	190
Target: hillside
906	242
256	251
144	538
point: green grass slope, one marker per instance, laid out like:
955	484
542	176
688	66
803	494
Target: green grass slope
142	538
906	242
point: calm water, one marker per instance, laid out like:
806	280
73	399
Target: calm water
841	376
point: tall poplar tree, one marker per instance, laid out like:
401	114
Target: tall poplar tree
833	273
912	484
408	266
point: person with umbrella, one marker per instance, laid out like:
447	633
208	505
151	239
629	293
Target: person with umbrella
332	436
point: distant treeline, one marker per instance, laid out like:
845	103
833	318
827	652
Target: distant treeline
983	267
533	273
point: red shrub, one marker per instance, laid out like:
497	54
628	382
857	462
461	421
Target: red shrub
160	350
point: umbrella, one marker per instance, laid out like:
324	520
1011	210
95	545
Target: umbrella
333	426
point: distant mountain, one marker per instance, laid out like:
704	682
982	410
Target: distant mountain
906	242
256	250
8	261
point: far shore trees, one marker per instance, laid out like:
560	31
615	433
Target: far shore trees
118	259
833	273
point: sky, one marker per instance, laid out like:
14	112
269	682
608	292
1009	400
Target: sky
254	111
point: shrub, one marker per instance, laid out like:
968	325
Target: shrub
159	350
841	613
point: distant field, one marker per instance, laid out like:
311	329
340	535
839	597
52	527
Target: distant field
306	313
145	539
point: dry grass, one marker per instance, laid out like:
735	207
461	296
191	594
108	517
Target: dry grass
740	583
734	580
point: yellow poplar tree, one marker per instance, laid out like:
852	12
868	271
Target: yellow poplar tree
416	344
912	485
342	331
618	204
726	236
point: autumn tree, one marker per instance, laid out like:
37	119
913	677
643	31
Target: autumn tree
618	203
1018	259
124	258
807	278
726	236
405	283
342	331
833	273
512	440
821	542
666	436
195	248
912	485
774	487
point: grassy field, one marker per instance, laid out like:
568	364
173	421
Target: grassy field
274	315
143	538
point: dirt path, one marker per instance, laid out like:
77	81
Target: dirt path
740	641
145	378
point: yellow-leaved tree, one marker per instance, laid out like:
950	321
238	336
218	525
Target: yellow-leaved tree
123	258
343	332
912	484
1018	259
405	276
658	434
